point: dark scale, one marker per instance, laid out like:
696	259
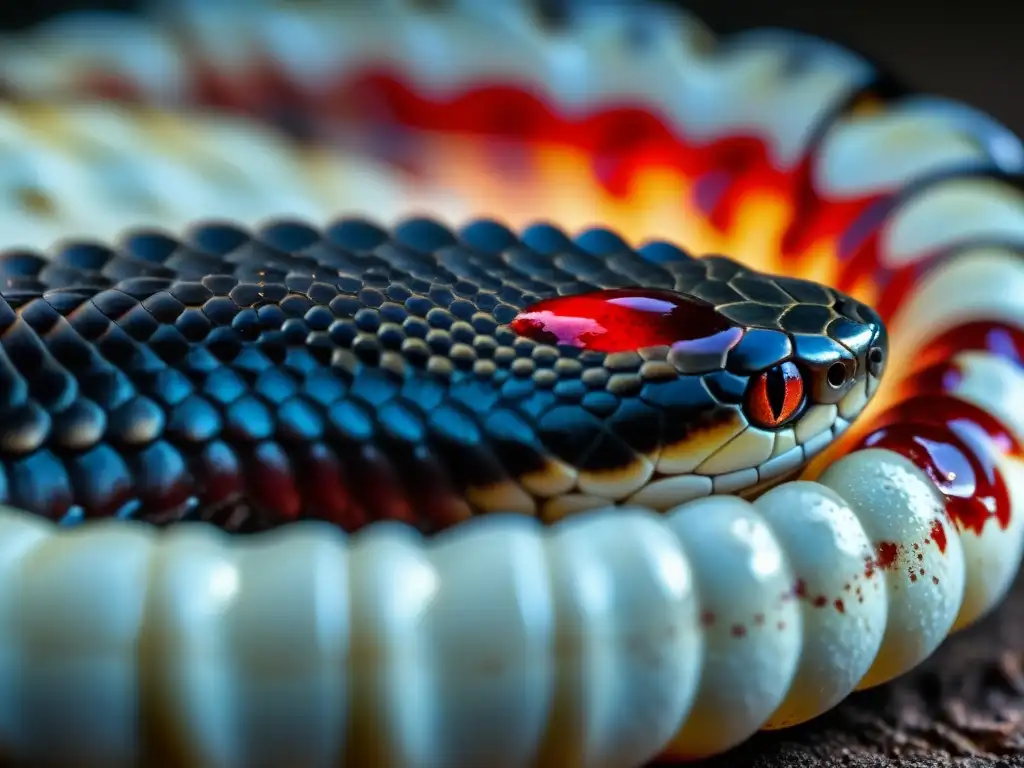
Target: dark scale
250	378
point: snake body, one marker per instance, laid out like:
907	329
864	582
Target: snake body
360	374
529	485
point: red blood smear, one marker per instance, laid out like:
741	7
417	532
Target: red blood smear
946	409
938	533
999	339
619	320
964	473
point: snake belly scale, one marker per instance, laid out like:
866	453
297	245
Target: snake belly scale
518	494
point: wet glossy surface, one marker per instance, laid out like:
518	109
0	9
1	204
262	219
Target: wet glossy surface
1000	339
775	396
254	377
954	442
620	320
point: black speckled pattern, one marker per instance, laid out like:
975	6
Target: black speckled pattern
353	373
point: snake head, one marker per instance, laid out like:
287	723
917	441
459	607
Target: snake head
822	351
812	356
740	376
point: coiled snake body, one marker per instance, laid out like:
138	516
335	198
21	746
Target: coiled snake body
563	457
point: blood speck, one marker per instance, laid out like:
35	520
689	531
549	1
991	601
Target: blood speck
800	588
916	546
935	579
820	601
759	619
847	587
913	578
738	630
839	606
920	557
885	554
624	319
869	567
707	618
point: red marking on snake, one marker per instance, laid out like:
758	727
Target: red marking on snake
112	86
625	319
953	442
273	480
622	139
327	489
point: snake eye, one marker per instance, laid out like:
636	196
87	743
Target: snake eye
774	396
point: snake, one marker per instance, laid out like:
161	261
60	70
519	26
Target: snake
466	384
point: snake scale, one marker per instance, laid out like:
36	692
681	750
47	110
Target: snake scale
408	295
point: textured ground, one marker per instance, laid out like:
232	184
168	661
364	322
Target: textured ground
964	707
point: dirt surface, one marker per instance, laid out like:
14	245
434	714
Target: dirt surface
963	707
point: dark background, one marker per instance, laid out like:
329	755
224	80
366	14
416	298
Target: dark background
970	50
